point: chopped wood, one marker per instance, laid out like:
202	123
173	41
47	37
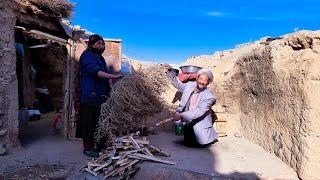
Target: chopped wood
137	140
91	172
103	166
148	152
90	164
102	157
154	159
136	157
132	151
111	173
159	150
120	159
116	157
134	142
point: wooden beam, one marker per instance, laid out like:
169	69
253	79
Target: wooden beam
48	36
67	94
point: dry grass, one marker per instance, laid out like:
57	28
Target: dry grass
132	100
61	7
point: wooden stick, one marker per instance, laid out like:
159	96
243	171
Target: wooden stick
103	165
132	151
116	157
90	165
48	36
129	173
112	173
164	121
134	142
91	172
154	159
135	157
148	152
103	156
159	150
122	161
137	140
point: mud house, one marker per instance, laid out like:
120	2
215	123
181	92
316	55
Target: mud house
39	51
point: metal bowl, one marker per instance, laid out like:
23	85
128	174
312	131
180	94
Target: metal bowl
190	69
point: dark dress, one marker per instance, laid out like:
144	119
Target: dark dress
92	94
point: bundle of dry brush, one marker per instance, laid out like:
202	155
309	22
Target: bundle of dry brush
62	7
132	100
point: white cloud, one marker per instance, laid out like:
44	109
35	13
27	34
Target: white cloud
216	14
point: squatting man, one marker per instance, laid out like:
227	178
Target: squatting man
195	109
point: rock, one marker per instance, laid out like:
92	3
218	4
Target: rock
1	5
237	135
3	150
3	132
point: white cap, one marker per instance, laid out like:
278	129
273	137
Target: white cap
206	72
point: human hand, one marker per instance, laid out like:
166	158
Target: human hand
177	116
119	75
167	66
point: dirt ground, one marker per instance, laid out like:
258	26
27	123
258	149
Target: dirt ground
46	155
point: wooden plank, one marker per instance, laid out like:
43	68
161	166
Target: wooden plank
103	165
148	152
132	151
122	161
103	156
112	173
154	159
135	157
91	172
65	112
90	165
159	150
48	36
137	140
134	142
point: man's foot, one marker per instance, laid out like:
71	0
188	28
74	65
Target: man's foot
91	153
209	145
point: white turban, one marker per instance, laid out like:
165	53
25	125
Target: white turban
206	72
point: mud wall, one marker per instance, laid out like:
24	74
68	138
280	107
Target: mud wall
268	91
8	79
276	110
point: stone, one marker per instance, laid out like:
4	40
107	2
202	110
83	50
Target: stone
3	150
3	132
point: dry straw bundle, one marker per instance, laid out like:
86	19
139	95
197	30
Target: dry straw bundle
62	7
132	100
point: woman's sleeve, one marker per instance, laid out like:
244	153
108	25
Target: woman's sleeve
89	64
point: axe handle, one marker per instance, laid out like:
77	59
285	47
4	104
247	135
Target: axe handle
164	121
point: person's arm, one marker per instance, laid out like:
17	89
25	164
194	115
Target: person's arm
105	75
180	86
202	108
174	79
89	64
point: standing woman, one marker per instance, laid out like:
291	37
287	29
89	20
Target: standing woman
94	88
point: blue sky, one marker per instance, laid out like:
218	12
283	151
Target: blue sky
170	31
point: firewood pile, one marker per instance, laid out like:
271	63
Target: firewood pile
119	160
133	99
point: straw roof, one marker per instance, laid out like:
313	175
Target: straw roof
59	7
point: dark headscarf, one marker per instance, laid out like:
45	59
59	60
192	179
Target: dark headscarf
92	40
